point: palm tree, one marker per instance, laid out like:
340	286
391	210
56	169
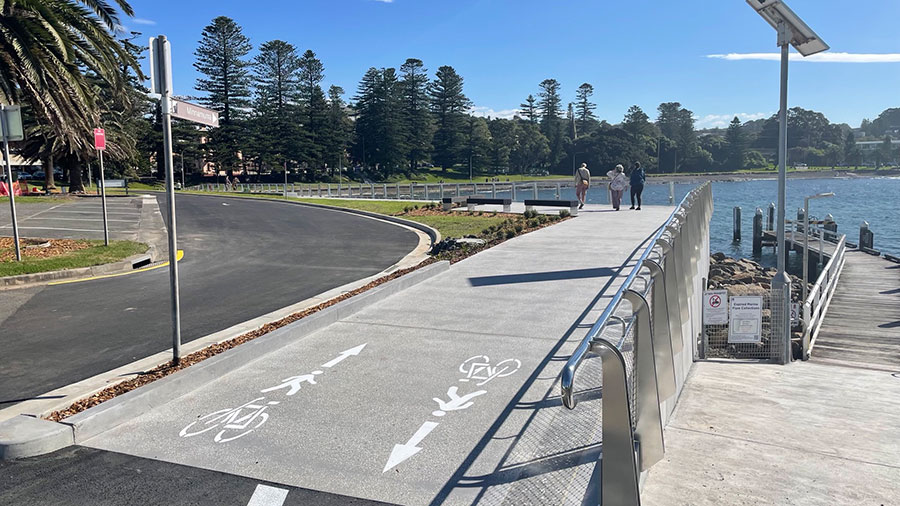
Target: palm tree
47	48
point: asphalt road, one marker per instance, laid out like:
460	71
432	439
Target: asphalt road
242	259
79	475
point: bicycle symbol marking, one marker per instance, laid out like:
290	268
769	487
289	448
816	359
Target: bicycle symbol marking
231	419
478	368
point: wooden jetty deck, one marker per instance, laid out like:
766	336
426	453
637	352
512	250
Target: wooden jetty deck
862	326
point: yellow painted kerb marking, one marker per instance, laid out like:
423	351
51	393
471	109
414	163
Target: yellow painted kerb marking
178	258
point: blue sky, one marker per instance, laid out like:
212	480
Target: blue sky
633	52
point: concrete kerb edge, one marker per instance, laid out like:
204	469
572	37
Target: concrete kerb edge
24	280
25	436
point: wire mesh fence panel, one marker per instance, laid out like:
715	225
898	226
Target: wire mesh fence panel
720	342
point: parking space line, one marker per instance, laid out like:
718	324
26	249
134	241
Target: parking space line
265	495
21	227
76	219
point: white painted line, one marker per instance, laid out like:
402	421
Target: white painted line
69	229
265	495
76	219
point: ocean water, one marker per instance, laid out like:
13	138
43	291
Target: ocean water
857	199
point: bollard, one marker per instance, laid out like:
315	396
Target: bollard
457	189
493	190
830	229
512	187
757	232
671	193
866	237
534	191
801	218
558	194
736	220
411	191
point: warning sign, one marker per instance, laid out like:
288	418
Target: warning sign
745	324
715	307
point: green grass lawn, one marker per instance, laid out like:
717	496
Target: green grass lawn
459	224
97	254
31	200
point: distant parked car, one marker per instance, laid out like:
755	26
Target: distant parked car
25	176
39	175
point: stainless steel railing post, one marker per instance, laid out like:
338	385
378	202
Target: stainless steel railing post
648	424
662	339
619	463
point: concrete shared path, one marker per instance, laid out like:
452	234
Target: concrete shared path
446	393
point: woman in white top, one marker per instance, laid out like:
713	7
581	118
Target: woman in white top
618	183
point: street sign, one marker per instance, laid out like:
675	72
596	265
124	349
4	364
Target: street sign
195	113
745	325
160	66
12	123
715	307
99	139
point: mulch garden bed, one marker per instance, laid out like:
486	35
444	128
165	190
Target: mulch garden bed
40	248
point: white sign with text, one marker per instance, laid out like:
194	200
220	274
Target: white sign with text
745	324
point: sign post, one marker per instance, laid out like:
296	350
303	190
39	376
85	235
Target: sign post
161	83
100	146
11	130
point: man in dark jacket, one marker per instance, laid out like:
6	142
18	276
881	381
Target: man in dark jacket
637	184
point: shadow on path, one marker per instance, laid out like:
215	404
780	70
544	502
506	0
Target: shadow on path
535	277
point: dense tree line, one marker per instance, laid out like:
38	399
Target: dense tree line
276	116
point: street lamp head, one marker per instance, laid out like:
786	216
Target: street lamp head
800	35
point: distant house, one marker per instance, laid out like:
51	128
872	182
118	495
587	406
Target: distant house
868	147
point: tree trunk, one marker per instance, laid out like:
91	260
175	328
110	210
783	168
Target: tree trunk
75	183
48	173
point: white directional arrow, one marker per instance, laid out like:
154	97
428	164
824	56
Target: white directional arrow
403	452
344	354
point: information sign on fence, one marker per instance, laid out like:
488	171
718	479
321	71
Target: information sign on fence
745	323
795	313
715	307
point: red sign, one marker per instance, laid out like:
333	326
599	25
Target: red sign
99	139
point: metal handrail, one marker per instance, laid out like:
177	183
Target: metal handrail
634	442
597	329
819	299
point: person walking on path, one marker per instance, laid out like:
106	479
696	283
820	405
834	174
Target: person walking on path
637	184
582	183
617	185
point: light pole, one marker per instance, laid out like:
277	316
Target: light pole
806	241
792	31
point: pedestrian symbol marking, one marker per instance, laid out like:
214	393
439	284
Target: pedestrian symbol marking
456	403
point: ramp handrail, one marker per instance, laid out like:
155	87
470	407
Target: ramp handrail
819	299
668	266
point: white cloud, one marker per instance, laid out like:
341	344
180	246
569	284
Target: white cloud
722	120
142	21
821	57
485	112
385	1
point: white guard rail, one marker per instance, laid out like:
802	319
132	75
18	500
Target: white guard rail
816	305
